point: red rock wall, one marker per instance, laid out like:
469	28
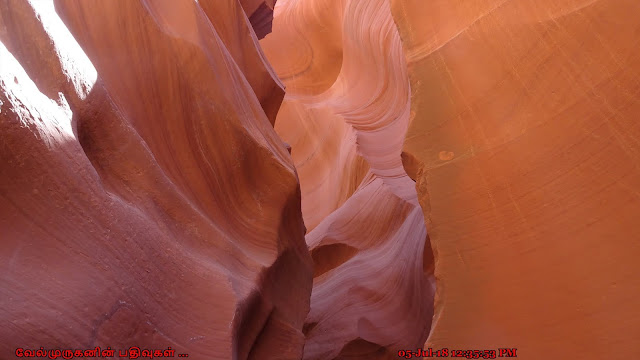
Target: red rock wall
526	138
145	198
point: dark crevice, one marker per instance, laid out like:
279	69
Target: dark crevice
308	327
328	257
262	20
411	165
251	318
361	349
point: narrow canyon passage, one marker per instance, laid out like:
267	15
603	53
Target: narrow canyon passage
319	179
345	115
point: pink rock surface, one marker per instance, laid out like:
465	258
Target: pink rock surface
145	198
345	115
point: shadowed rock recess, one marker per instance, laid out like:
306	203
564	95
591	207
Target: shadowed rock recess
251	179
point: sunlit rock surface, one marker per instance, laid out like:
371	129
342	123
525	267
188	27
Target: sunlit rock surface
345	115
154	177
145	198
525	144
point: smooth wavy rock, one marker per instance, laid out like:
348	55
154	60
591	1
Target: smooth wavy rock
345	116
526	149
145	198
243	45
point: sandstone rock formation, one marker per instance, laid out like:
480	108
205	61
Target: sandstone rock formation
145	198
345	115
525	145
159	189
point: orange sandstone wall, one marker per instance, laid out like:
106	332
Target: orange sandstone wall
525	144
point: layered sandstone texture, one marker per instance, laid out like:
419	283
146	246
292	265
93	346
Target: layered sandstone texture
145	198
345	115
526	150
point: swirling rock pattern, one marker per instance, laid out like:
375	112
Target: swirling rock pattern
345	115
145	198
526	153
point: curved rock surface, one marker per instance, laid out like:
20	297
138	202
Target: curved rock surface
145	198
526	153
345	115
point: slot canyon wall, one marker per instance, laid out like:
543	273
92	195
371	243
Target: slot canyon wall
345	115
251	179
145	198
526	150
